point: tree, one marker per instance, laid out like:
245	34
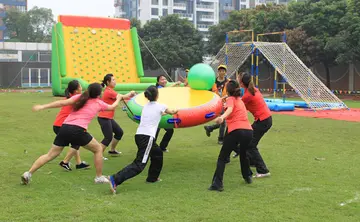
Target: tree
174	41
305	47
32	26
320	19
347	42
264	18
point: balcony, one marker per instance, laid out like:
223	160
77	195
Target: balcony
207	18
185	16
228	8
179	6
203	28
206	8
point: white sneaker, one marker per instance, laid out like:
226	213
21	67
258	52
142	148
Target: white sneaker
260	175
25	178
101	179
104	158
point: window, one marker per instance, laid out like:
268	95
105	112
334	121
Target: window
243	0
155	2
243	6
154	11
21	8
165	2
1	35
165	12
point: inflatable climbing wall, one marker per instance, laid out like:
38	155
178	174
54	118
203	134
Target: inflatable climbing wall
87	48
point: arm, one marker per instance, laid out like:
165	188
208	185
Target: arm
115	104
128	96
221	118
171	111
56	104
176	84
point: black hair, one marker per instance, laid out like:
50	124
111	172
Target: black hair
158	78
106	79
151	93
93	91
233	89
72	87
248	83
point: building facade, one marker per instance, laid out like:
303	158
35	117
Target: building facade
21	5
202	13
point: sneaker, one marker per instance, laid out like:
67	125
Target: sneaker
220	142
101	179
235	155
25	178
208	131
261	175
157	180
66	166
82	165
212	188
112	184
165	150
248	180
104	158
114	152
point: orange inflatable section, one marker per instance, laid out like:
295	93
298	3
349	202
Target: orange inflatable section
103	23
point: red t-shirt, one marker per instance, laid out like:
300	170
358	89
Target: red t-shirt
256	105
238	119
109	97
63	114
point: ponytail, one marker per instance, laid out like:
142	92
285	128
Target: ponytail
93	91
248	83
251	88
82	101
107	78
67	93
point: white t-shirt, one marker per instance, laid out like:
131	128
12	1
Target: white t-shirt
150	119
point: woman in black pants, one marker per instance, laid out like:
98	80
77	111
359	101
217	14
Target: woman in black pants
255	103
239	132
110	128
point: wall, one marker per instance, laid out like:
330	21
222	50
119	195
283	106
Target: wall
11	71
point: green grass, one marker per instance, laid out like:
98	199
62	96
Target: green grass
300	188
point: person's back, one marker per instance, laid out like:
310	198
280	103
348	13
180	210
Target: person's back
238	119
150	118
256	104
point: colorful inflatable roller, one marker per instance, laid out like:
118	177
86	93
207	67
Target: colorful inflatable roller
195	107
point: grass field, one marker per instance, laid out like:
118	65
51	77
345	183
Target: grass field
300	188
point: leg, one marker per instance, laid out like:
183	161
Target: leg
106	129
42	160
118	133
260	128
222	132
156	158
209	129
70	154
95	147
227	147
166	139
244	140
137	166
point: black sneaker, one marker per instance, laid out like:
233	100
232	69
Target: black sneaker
66	166
82	165
235	155
248	180
212	188
208	131
220	142
165	150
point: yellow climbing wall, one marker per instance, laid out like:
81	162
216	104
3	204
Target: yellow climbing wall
91	53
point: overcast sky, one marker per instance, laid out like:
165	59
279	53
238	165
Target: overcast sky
101	8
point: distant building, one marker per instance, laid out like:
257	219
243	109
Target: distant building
21	5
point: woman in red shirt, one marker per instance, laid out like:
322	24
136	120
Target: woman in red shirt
255	103
110	128
73	88
239	132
